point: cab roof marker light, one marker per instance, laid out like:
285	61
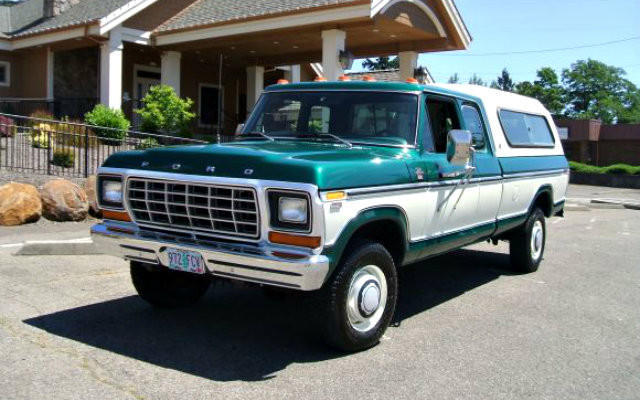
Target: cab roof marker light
320	79
344	78
282	82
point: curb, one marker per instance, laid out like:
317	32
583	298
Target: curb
628	204
75	247
582	204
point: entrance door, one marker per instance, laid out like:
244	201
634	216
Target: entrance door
144	78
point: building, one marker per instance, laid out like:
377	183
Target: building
591	142
66	55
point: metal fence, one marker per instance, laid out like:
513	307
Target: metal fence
69	149
74	108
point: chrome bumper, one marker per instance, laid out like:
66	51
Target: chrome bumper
234	261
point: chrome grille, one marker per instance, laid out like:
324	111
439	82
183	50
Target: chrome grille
213	209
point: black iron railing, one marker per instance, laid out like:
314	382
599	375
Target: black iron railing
62	148
72	108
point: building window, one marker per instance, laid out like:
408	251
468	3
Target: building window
5	73
210	95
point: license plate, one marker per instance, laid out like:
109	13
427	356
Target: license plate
187	261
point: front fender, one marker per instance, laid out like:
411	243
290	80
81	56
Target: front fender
390	214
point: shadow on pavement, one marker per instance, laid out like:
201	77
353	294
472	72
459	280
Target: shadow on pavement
239	334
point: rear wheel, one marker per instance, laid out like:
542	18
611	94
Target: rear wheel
528	242
166	288
360	298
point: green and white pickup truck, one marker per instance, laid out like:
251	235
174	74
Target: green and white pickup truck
332	187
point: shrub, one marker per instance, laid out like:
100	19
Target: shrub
41	114
41	140
622	169
612	169
63	157
75	135
164	111
106	117
147	143
7	127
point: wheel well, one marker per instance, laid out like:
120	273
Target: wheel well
386	232
544	201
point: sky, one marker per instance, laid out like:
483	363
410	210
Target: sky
500	26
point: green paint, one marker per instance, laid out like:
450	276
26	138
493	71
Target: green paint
327	165
512	165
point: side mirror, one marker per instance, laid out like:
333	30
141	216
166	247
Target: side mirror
478	141
459	145
239	129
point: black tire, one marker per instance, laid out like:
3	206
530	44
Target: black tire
166	288
525	254
338	331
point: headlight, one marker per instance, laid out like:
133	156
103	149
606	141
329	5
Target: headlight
292	210
289	211
110	191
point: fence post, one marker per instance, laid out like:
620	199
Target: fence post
86	151
49	149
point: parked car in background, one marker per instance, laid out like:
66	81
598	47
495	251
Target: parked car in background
331	188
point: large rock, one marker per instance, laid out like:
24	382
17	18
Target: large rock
90	189
64	201
19	204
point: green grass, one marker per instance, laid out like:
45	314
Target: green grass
611	169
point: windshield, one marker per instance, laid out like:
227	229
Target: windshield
358	117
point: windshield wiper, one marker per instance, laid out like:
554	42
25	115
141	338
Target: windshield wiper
264	135
332	136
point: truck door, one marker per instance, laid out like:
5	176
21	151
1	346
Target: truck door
488	173
447	212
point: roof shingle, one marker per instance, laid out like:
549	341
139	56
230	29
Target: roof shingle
82	13
207	12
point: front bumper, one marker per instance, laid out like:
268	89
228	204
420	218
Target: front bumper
274	267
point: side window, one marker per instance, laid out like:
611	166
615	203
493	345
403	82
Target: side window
443	117
473	123
526	130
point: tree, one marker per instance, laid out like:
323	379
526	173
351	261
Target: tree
504	82
476	80
546	89
597	90
164	111
381	63
454	78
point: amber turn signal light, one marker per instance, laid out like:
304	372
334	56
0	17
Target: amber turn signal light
295	240
116	215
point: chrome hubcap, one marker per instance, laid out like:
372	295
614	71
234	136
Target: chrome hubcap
537	240
367	298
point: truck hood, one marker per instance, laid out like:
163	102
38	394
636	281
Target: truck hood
327	165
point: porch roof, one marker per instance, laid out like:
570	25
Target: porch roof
208	12
83	13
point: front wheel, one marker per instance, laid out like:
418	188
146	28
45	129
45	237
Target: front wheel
360	298
166	288
526	246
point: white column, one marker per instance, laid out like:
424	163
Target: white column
255	85
50	71
408	64
111	69
170	69
292	74
333	42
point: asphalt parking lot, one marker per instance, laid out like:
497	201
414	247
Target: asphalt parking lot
71	327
